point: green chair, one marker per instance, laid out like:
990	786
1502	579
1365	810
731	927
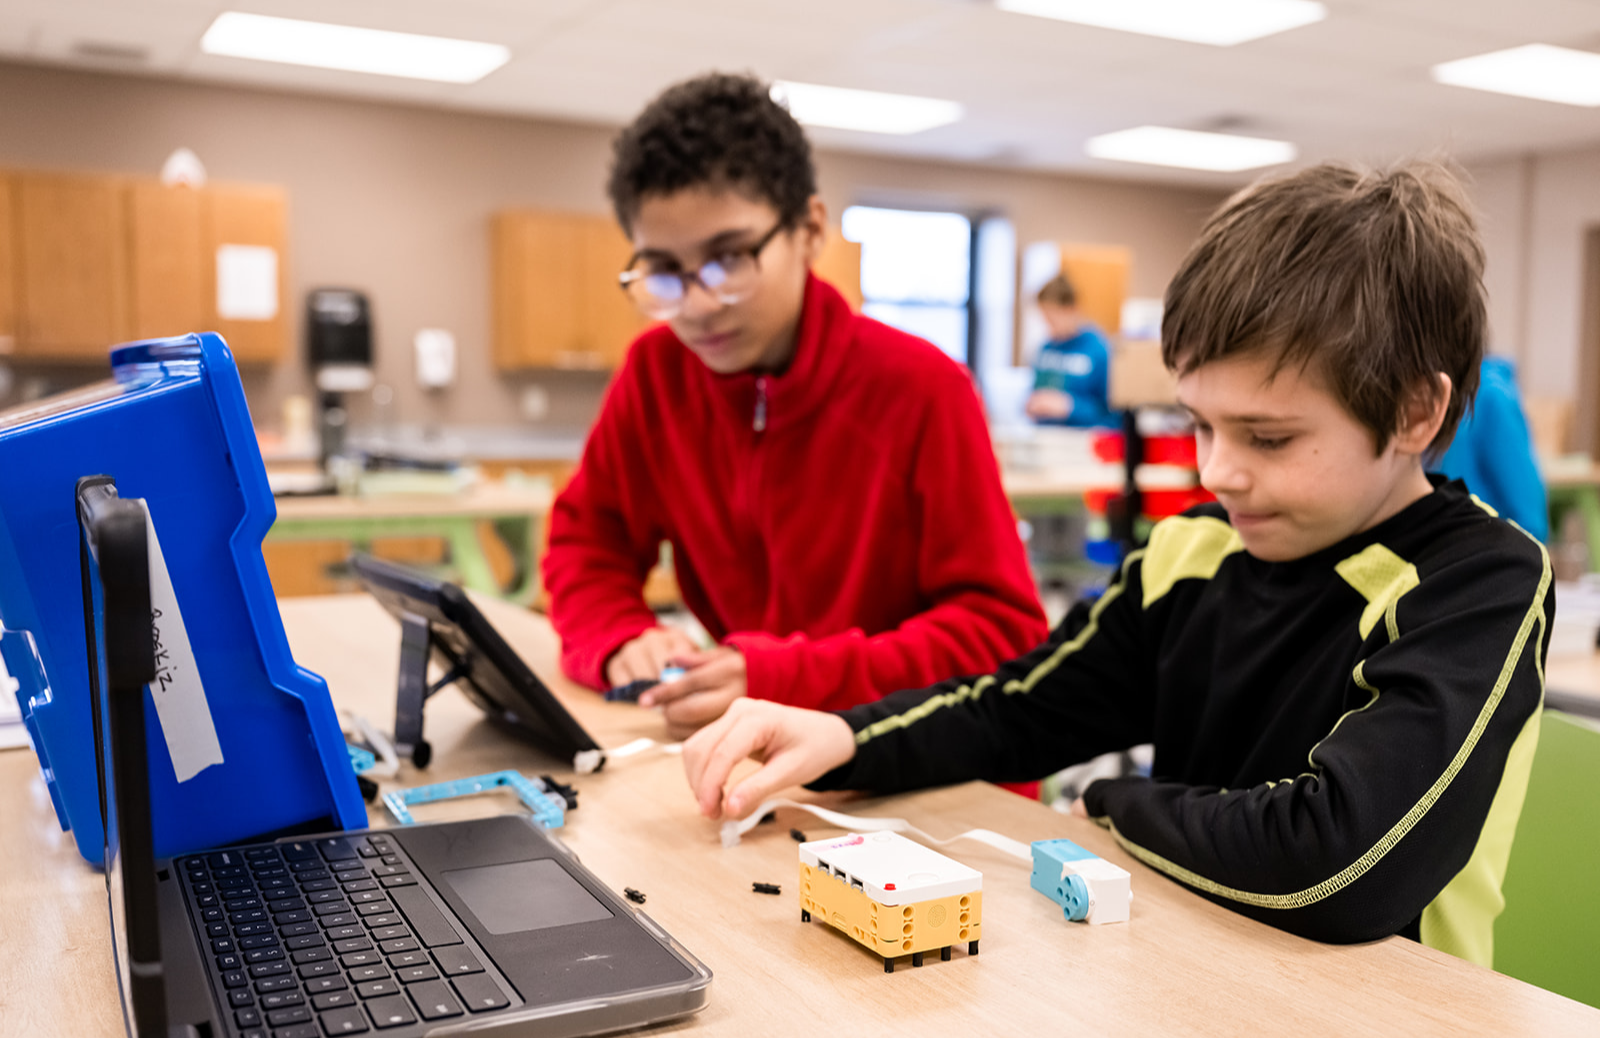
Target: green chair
1549	934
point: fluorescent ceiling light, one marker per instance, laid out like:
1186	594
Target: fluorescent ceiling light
1189	149
866	110
346	47
1537	70
1221	23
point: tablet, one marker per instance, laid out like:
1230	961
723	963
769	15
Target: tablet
440	623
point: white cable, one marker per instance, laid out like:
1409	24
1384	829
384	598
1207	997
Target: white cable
733	829
388	761
586	761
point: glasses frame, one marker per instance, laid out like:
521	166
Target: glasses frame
627	277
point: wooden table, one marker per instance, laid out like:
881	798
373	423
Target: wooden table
517	512
1180	966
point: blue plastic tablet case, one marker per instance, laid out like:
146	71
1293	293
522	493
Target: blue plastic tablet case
171	427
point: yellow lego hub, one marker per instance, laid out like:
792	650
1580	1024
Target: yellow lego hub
876	889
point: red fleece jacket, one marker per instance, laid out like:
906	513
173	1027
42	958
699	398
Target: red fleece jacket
842	524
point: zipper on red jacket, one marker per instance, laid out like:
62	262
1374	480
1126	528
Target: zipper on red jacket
760	423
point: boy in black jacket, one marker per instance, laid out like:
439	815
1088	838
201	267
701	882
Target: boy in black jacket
1340	663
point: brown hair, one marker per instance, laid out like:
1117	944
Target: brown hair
1373	278
1058	291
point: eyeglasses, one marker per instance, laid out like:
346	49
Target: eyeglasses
658	288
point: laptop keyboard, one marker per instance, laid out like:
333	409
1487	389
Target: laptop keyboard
332	937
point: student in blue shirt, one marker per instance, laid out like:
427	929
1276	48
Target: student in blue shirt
1070	382
1493	451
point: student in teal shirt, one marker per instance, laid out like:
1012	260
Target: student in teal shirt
1493	452
1070	381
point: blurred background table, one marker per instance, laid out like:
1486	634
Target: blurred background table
492	525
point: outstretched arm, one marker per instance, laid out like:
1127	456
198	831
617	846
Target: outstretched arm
1071	698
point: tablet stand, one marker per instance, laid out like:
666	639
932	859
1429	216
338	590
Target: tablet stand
413	689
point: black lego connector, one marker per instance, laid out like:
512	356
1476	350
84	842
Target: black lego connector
634	895
766	889
569	794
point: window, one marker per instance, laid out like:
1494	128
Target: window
916	272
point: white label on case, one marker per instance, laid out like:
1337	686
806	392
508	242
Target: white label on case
179	694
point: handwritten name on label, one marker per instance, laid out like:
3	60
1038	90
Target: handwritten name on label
178	692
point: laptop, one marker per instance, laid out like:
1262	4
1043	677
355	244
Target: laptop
484	927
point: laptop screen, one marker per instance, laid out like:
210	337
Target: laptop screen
114	568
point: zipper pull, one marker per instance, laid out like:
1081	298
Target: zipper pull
760	423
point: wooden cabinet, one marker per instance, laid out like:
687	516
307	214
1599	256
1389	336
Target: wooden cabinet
8	268
839	264
247	215
1100	274
556	299
608	312
73	265
88	261
167	248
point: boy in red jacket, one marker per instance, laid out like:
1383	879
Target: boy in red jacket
826	482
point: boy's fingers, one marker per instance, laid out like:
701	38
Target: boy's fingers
676	689
691	658
664	693
646	654
713	753
796	746
663	645
800	746
782	771
700	679
627	666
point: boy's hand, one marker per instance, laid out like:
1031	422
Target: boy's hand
645	655
797	745
1049	404
714	680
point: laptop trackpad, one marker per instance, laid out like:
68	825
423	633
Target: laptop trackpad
524	896
553	930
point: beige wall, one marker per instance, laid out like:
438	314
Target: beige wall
394	200
1538	211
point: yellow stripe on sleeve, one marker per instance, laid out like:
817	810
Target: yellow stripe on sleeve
1185	546
1382	578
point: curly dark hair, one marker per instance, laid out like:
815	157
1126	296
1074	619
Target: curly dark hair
716	130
